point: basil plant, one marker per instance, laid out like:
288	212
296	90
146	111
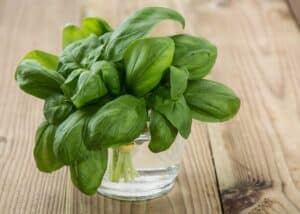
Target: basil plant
107	86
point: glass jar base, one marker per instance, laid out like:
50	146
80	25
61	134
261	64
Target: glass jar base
148	185
136	196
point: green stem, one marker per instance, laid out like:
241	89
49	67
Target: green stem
121	166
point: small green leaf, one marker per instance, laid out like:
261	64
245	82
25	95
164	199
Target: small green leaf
195	54
211	101
105	38
83	86
145	61
57	108
94	25
71	33
89	25
176	111
178	81
47	60
69	86
163	133
89	87
110	75
117	122
36	80
81	54
87	173
43	151
136	26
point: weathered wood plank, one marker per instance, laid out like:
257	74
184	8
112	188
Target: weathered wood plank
26	25
34	27
256	154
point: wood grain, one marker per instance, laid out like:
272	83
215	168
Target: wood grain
27	25
248	165
23	188
256	154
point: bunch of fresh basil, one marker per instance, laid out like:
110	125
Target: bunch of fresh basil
106	84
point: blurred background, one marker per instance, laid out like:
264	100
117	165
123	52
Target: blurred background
250	164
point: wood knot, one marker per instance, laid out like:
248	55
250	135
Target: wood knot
243	196
262	206
223	3
3	139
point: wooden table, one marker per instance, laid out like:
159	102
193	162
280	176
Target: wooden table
248	165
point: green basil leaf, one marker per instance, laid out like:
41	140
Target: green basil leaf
47	60
103	39
89	87
70	137
176	111
37	80
163	133
71	134
57	108
195	54
110	75
94	25
117	122
80	54
43	151
211	101
83	87
71	33
145	61
136	26
178	81
89	25
69	86
87	173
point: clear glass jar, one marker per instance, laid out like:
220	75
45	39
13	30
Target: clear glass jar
135	173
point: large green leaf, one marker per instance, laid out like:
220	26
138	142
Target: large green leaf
37	80
195	54
89	25
176	111
145	61
43	151
163	133
110	75
47	60
57	108
87	173
211	101
178	81
118	122
136	26
70	136
81	54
